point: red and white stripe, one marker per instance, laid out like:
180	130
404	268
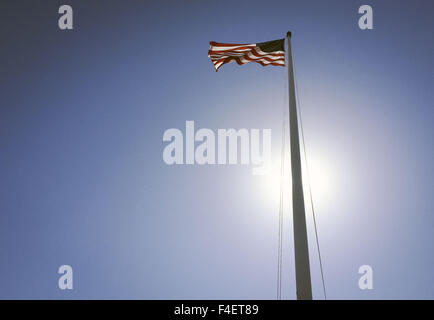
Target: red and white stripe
221	53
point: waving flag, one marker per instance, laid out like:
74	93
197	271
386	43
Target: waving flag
265	53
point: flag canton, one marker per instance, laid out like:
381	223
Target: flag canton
271	46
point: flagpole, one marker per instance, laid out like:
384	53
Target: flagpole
302	267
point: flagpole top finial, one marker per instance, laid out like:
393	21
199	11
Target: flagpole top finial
289	34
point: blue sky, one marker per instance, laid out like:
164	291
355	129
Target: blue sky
82	116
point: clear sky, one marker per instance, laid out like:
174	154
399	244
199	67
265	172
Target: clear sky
83	183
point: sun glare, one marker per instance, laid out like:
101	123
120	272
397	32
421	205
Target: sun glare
318	178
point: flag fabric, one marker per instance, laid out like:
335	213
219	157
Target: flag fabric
264	53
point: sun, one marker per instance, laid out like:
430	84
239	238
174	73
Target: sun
318	178
273	181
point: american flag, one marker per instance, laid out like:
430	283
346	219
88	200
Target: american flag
265	53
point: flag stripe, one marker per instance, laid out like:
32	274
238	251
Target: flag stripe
236	48
252	58
249	54
219	44
254	51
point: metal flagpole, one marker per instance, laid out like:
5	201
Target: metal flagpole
302	268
